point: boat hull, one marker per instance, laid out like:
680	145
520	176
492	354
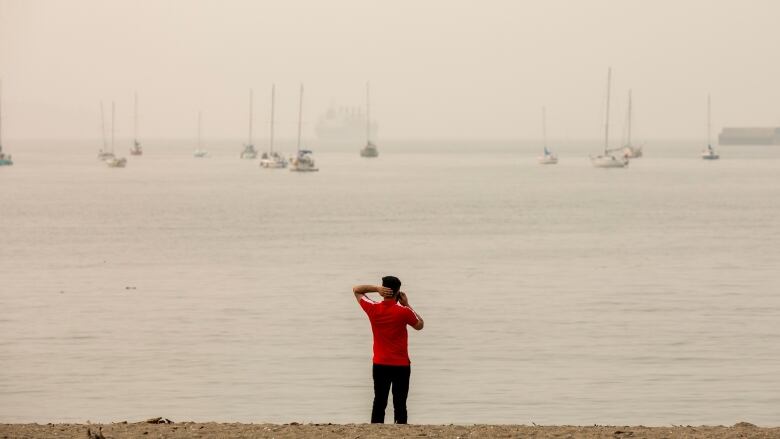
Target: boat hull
608	162
370	153
548	160
272	164
6	162
116	162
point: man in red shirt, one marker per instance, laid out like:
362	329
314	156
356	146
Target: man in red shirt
391	356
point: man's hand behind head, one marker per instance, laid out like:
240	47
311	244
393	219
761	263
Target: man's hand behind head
385	292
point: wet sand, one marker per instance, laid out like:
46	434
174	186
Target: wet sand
215	430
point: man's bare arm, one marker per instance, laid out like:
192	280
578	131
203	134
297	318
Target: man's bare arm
403	300
362	290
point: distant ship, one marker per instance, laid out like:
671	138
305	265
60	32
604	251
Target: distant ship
5	159
344	124
749	136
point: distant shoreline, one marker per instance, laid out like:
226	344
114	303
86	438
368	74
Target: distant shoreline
327	431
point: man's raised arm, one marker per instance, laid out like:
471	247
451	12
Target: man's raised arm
362	290
403	300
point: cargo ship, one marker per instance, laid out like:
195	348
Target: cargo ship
749	136
344	124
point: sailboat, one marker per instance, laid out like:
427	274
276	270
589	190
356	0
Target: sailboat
303	161
629	150
272	159
608	160
114	162
199	151
549	158
104	154
136	149
5	159
370	150
249	151
709	153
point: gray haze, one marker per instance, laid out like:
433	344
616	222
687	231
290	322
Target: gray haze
439	69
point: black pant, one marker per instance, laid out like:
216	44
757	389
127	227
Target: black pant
384	377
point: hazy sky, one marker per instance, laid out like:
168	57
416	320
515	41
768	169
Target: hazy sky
438	68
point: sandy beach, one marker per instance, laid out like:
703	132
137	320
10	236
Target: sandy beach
295	430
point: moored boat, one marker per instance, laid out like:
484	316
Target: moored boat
272	159
303	160
5	159
608	159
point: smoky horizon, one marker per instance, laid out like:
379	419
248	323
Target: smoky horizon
438	69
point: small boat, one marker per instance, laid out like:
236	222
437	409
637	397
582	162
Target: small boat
104	154
136	149
272	159
249	151
303	161
549	158
630	151
608	160
5	159
709	153
114	162
199	151
370	150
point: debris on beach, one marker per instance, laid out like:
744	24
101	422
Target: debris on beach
93	435
159	420
744	424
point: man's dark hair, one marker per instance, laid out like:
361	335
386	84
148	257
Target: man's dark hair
392	282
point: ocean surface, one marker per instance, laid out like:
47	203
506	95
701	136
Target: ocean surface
213	290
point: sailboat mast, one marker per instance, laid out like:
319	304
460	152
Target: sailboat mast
368	112
606	122
199	123
112	126
544	126
300	118
251	104
630	116
273	103
135	119
1	116
103	126
709	123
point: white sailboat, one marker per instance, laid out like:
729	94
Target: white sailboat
608	160
249	151
629	150
5	159
303	161
709	153
136	149
199	151
104	154
113	161
370	150
549	158
272	159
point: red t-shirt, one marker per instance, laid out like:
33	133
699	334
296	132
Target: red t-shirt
388	323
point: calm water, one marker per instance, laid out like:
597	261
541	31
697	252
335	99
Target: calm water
214	290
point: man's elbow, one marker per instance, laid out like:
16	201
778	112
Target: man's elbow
420	324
